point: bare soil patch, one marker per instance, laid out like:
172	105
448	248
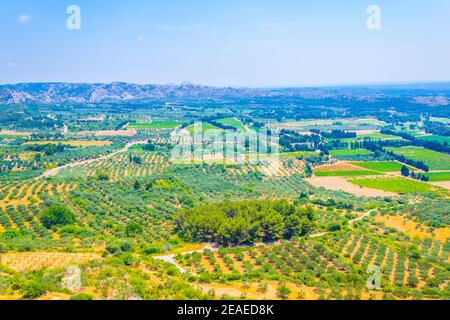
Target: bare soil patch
341	184
442	184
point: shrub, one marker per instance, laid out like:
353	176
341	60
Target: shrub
82	296
283	291
119	246
151	249
33	289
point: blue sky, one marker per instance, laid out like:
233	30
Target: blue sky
258	43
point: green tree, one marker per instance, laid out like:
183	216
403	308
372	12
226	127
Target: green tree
57	215
273	226
405	171
149	147
308	171
38	157
133	228
117	247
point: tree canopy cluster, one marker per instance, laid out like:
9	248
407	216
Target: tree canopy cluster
49	149
432	145
234	223
294	141
338	134
57	215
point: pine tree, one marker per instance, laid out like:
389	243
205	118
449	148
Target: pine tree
405	171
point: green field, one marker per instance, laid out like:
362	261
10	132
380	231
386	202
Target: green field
13	135
330	124
155	125
350	152
382	166
442	120
438	176
337	122
411	132
232	122
372	136
10	136
296	154
398	185
206	126
377	136
355	173
433	159
438	139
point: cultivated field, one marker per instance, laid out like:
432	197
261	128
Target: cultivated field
381	166
350	152
413	229
74	143
342	169
438	176
341	184
329	124
156	124
232	122
435	160
28	261
398	185
435	138
108	133
205	127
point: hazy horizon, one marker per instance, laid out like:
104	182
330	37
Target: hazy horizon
342	85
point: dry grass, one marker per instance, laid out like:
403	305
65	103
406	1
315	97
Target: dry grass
442	184
250	291
412	228
188	248
236	290
28	261
14	133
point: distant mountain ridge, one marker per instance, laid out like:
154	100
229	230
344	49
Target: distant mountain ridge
113	92
47	93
